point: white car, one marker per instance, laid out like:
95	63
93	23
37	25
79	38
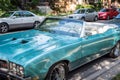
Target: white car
85	14
18	19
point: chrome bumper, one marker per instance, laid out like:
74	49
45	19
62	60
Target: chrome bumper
8	76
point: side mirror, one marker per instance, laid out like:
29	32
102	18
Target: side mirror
13	17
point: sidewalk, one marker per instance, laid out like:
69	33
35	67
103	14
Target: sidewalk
106	73
100	69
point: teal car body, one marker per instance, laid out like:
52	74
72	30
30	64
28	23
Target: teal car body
30	54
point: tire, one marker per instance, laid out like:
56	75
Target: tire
83	19
36	23
58	71
108	17
115	52
96	18
4	28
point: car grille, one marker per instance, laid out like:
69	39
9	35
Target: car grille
3	64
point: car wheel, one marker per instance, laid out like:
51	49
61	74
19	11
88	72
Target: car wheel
3	27
83	19
58	72
96	18
36	23
115	52
108	17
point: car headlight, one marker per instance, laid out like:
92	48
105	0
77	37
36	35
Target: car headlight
104	15
16	69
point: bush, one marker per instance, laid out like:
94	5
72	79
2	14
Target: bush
117	77
85	6
79	6
5	5
96	6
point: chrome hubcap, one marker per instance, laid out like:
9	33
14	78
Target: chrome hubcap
58	73
4	28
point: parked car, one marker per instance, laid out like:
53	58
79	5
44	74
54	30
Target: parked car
55	47
115	21
107	13
18	19
85	15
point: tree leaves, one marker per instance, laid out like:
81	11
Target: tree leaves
5	5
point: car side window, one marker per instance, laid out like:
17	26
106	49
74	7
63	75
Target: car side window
28	14
91	10
87	11
18	14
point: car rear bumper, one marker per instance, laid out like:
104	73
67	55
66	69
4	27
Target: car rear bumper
9	76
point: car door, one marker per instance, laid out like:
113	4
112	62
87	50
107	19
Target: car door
89	14
96	45
16	20
93	14
29	19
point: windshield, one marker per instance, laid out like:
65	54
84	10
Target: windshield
79	11
7	14
104	10
61	26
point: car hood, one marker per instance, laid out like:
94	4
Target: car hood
20	47
76	15
3	19
100	13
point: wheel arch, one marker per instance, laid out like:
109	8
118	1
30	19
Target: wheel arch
35	22
117	41
62	61
112	53
4	23
7	25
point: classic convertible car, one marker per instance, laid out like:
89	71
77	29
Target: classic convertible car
55	47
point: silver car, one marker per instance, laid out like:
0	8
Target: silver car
85	14
18	19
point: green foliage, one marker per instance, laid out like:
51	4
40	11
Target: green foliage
5	5
1	12
84	6
79	6
33	4
116	77
97	6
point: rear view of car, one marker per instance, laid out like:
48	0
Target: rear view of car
107	13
